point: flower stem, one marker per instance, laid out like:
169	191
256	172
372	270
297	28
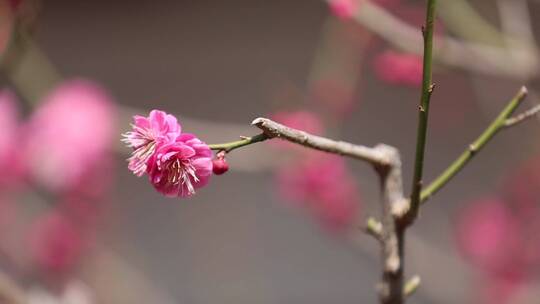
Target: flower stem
427	90
228	147
498	124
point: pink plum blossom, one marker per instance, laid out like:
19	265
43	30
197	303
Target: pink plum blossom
398	68
55	242
179	167
177	163
149	132
11	163
70	134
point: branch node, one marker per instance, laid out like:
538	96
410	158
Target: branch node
431	88
393	264
401	208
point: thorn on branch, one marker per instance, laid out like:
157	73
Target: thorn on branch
411	286
375	229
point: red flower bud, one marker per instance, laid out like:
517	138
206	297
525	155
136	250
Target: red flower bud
220	166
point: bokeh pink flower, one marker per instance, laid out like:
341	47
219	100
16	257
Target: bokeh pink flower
322	184
398	68
63	149
55	243
498	235
11	164
488	235
70	134
497	290
344	8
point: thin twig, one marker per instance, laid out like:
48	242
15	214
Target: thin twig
512	121
427	90
245	141
501	122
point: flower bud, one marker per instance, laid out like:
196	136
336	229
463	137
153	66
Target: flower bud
220	166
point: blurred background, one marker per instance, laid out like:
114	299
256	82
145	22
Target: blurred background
284	224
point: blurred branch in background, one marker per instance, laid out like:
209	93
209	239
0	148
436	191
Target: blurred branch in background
107	269
10	292
465	22
517	58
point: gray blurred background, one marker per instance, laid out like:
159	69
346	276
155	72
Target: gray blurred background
218	65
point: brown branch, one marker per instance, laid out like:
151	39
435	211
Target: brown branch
273	129
391	287
387	162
